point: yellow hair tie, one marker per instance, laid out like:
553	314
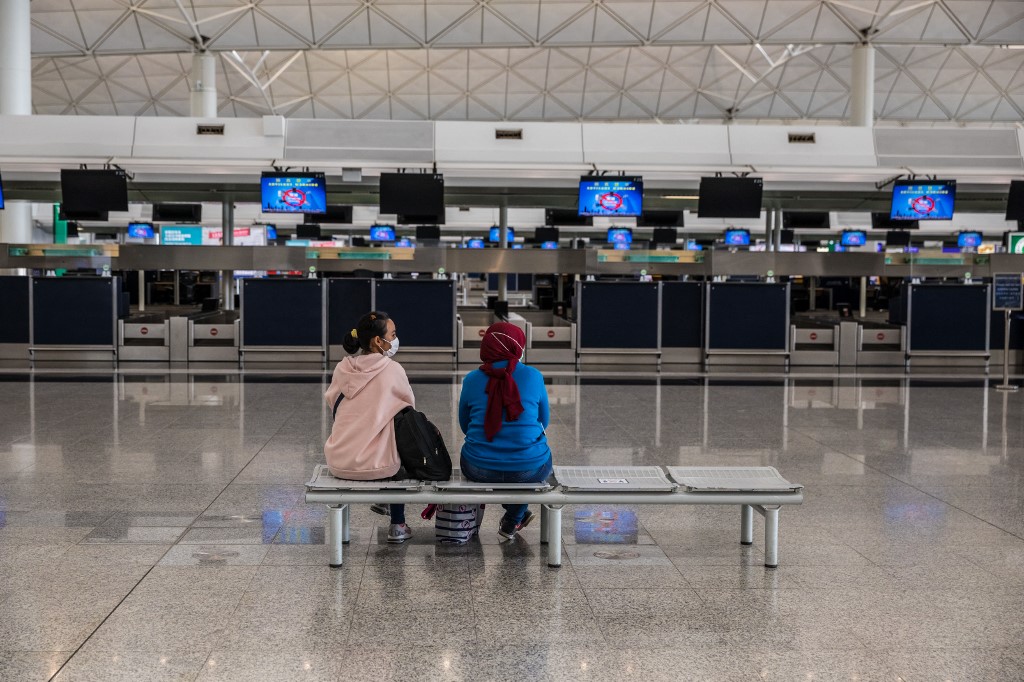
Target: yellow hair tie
354	334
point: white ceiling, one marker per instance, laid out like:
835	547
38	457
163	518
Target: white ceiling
937	61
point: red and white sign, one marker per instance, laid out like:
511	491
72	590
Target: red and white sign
551	333
144	330
482	332
880	336
213	332
814	336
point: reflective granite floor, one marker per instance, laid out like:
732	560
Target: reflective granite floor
152	527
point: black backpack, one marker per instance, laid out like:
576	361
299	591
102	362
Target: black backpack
421	447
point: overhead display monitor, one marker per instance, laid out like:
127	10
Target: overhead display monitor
475	243
566	218
660	219
337	214
546	234
1	194
271	232
293	193
494	235
897	238
140	231
806	220
968	240
620	235
549	245
621	246
854	238
665	235
93	190
787	236
882	221
611	197
419	195
1014	202
737	237
382	233
914	200
307	231
404	243
178	213
428	232
730	198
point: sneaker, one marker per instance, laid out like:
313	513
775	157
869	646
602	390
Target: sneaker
398	533
382	509
507	529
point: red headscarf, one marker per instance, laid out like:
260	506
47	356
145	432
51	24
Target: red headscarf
502	341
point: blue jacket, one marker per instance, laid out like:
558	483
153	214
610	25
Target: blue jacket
520	445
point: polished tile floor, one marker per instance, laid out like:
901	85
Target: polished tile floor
152	527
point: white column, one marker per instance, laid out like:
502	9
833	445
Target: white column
204	85
503	243
862	87
15	100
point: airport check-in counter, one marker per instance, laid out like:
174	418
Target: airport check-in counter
618	323
74	319
424	311
15	327
549	339
747	323
283	320
213	337
997	338
472	324
948	324
348	299
813	342
875	344
682	322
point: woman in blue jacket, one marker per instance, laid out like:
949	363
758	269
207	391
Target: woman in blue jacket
503	411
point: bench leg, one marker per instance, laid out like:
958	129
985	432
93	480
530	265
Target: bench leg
346	530
746	524
335	523
771	537
544	521
554	535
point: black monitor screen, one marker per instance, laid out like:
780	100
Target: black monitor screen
1014	202
545	234
882	221
730	198
428	232
665	235
897	238
178	213
307	231
412	194
337	214
566	218
93	190
806	220
787	236
98	216
660	219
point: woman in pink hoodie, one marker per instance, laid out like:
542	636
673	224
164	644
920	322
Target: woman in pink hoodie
367	390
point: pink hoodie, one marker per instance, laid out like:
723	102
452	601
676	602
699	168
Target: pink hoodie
362	442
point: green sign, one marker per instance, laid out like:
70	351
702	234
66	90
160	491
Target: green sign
1017	243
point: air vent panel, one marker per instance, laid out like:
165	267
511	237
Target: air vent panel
210	129
801	138
508	134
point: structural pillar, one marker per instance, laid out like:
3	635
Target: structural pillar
227	231
204	85
862	87
15	100
502	244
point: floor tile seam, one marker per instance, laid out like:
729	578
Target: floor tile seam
864	463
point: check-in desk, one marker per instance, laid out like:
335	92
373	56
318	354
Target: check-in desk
348	299
948	324
15	305
682	322
747	323
283	320
618	323
425	317
814	344
213	337
550	339
74	319
880	345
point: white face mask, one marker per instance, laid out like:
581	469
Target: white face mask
390	352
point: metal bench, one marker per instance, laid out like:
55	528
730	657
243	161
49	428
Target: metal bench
760	489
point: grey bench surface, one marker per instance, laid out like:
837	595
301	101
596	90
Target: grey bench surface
625	478
324	480
731	479
458	482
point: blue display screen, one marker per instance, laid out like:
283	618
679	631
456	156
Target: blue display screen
495	234
140	231
404	242
915	201
549	245
737	237
620	235
619	197
382	233
854	238
968	240
692	245
621	246
271	232
1	193
475	244
293	193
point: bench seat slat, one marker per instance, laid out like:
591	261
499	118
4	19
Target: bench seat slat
731	479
